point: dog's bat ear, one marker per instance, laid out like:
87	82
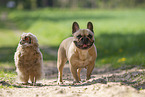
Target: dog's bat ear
75	27
90	26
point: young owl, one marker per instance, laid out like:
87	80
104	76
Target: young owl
28	59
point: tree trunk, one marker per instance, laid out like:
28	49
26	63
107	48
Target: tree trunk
33	4
20	5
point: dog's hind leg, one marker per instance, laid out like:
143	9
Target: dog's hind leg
60	64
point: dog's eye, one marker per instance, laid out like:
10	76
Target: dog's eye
90	36
79	36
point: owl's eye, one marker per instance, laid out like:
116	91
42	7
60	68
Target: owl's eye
79	36
26	38
90	36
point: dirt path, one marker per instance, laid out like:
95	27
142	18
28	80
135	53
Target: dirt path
104	83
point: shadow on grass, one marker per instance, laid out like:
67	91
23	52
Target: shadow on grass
114	44
49	53
7	84
111	47
7	53
119	49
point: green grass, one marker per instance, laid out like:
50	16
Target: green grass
7	38
8	77
119	34
52	26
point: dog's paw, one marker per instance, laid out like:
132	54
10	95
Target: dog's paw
88	78
74	82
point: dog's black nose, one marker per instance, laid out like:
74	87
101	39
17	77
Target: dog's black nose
85	40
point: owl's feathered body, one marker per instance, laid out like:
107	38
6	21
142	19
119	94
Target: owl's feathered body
28	59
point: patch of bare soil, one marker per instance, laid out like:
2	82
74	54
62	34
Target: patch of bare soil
104	83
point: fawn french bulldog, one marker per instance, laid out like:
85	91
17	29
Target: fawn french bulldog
79	50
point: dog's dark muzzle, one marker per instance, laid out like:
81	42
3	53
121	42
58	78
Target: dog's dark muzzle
84	43
85	40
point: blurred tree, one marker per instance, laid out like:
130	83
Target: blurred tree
20	4
44	3
33	4
93	3
62	3
49	3
74	3
3	3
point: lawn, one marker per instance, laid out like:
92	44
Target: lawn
119	33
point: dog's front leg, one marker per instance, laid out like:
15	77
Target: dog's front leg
78	71
73	69
90	69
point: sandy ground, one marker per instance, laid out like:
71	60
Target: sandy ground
104	83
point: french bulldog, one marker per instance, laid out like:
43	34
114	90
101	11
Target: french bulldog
79	50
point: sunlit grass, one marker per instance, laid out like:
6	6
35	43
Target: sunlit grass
7	75
7	78
122	61
53	25
8	38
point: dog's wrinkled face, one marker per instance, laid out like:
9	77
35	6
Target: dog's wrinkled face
25	40
83	38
